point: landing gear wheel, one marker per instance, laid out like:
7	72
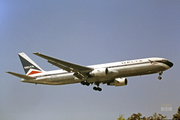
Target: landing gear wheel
97	88
160	73
85	83
159	77
94	88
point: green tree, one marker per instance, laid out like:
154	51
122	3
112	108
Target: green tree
121	117
156	116
177	115
135	116
138	116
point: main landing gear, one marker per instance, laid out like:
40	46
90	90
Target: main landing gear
97	88
85	83
160	73
94	88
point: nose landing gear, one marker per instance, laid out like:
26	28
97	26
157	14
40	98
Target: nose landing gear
159	77
160	73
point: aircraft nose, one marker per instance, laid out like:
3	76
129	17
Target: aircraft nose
170	64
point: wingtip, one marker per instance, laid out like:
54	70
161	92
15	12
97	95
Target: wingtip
36	53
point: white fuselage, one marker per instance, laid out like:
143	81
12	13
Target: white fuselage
116	70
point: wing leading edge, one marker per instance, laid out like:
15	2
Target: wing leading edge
70	67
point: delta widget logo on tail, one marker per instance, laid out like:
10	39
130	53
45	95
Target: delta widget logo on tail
33	71
30	67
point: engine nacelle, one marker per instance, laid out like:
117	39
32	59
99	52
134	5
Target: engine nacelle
118	82
99	72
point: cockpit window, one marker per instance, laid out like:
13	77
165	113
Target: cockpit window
158	61
164	60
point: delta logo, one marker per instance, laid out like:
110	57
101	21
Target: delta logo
32	72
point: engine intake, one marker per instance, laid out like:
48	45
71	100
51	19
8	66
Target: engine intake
118	82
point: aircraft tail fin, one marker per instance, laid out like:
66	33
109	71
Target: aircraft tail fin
30	67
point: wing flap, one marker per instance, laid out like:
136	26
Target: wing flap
21	75
65	65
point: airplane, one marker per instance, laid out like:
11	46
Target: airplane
113	74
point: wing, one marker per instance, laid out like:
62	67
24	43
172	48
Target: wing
79	70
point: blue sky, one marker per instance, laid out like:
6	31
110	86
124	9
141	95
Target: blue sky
87	33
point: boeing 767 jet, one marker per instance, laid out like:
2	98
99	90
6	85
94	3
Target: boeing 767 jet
113	74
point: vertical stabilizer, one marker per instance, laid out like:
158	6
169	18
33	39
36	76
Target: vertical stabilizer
30	67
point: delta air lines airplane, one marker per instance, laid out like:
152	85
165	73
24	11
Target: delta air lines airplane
113	74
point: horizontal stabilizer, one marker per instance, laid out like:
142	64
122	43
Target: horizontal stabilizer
21	75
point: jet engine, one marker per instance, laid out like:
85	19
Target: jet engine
118	82
99	72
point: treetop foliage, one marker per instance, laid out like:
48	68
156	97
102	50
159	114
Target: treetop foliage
155	116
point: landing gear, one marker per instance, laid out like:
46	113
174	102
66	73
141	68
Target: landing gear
94	88
159	77
85	83
97	88
160	73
